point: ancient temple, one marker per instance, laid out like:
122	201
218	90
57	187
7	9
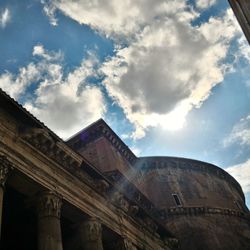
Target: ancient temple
53	198
200	203
91	192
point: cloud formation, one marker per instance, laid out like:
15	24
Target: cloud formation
204	4
172	68
240	133
64	102
4	17
49	10
123	20
241	173
15	85
167	65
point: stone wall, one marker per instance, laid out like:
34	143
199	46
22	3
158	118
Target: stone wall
211	231
198	202
210	212
196	183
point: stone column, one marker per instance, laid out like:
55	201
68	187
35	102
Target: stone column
49	226
90	232
5	168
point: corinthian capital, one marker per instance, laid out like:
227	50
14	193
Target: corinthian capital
128	245
91	229
49	204
5	167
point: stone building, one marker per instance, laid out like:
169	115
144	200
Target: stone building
201	204
53	198
91	192
241	10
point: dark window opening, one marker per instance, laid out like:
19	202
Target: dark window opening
177	199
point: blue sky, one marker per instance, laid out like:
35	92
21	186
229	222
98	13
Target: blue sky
170	77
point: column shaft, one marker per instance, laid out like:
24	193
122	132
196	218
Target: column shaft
90	235
49	226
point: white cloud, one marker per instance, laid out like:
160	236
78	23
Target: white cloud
168	66
66	103
4	18
136	151
124	19
49	10
173	67
39	51
124	136
240	133
241	173
204	4
244	48
16	84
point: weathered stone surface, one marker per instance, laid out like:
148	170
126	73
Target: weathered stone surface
88	235
135	200
203	191
48	163
49	227
211	232
212	208
5	168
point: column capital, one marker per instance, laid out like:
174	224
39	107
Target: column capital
91	229
49	204
127	244
5	168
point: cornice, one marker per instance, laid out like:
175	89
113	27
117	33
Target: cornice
140	207
42	141
44	146
130	190
168	213
72	193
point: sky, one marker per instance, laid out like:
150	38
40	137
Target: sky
171	78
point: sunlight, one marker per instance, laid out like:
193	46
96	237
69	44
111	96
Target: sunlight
175	120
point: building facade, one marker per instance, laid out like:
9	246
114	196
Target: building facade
52	198
200	203
91	192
